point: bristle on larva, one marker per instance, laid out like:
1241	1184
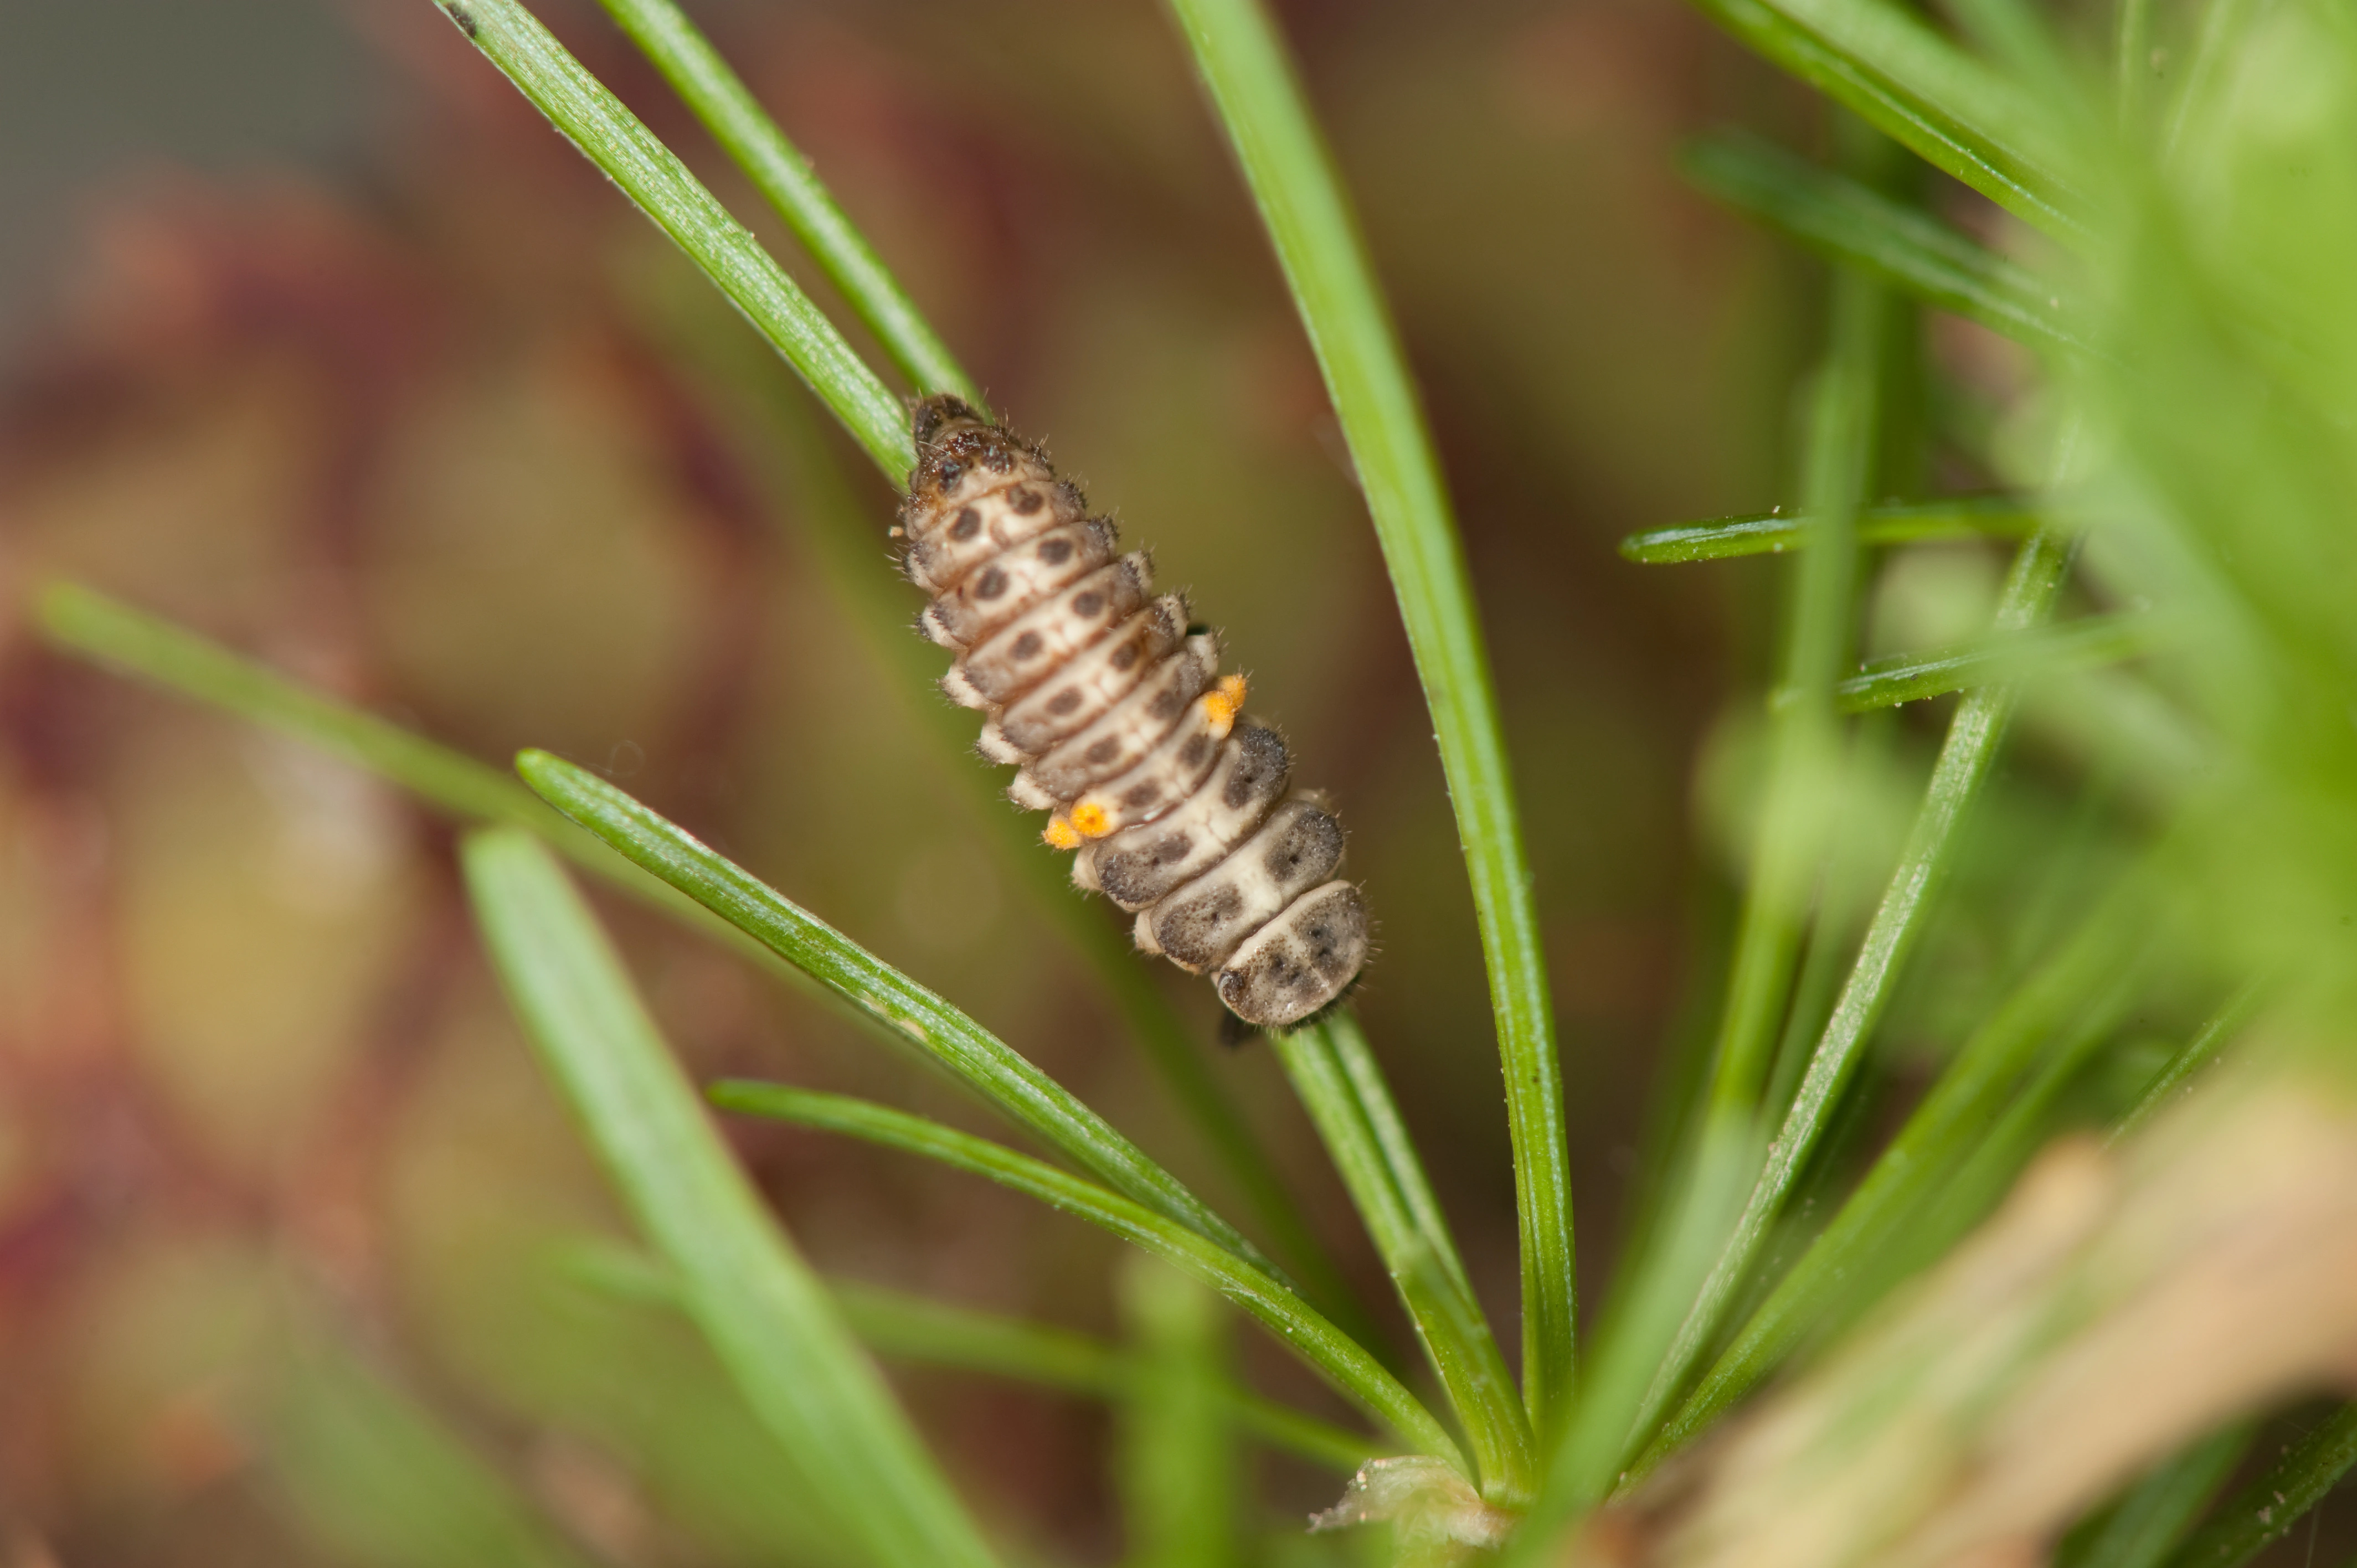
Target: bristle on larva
1122	727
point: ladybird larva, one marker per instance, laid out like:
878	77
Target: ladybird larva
1122	728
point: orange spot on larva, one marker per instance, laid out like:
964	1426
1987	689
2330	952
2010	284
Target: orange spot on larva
1061	835
1090	821
1223	702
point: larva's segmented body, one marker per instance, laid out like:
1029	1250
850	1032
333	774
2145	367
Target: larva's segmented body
1116	711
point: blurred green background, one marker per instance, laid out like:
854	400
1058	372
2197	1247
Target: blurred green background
318	340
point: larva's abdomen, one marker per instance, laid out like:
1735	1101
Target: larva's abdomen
1122	727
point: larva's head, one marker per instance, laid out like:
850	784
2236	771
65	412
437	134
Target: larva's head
960	454
935	414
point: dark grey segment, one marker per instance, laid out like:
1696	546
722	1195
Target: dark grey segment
1204	921
1204	925
1299	961
1308	851
1261	768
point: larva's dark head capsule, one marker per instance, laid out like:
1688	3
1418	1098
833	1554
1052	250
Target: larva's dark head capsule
1109	703
940	410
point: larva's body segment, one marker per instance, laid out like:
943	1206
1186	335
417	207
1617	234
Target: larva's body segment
1121	727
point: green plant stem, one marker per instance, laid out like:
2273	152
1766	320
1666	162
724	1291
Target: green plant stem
1176	1454
112	635
2132	64
594	121
2049	1014
1803	760
1003	1077
1964	764
132	643
1835	918
2176	1075
1397	1149
1852	223
1341	1360
1632	1339
373	1475
1897	74
903	1326
2274	1501
1300	196
764	1312
2206	61
2138	1530
2083	644
912	1328
1773	532
1802	748
1447	1318
777	170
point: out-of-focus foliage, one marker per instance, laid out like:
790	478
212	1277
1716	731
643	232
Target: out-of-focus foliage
449	439
290	1224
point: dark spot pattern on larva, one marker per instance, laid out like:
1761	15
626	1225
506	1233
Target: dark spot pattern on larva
1263	759
1313	839
1105	697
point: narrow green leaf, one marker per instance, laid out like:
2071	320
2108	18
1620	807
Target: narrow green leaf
1391	1140
1177	1456
2051	1014
777	170
132	643
2176	1075
916	1328
1773	532
1341	1360
765	1314
1964	764
1804	752
1301	203
999	1074
2275	1500
1837	465
1854	224
594	121
371	1473
1922	91
902	1326
2083	644
1448	1320
1632	1342
2138	1530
